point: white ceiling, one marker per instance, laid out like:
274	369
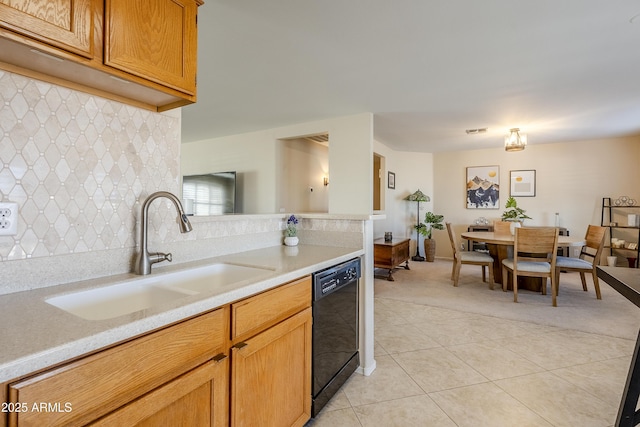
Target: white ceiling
561	70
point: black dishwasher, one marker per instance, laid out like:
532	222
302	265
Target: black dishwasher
335	330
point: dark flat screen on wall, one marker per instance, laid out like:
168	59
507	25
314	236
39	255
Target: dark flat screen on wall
210	194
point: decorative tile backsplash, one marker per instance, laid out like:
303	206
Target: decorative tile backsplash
78	165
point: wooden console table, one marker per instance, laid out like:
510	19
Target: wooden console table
391	254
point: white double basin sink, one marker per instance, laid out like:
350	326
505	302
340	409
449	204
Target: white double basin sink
154	290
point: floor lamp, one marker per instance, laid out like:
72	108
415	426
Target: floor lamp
418	196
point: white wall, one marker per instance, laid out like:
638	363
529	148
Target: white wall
571	178
350	161
350	165
251	155
413	171
305	163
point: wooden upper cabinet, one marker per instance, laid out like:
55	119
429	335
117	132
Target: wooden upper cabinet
141	52
155	40
66	24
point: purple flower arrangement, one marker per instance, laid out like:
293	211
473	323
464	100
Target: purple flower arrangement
292	230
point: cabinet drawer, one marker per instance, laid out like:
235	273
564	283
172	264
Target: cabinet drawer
102	382
260	311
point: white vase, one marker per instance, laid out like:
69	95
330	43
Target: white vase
291	241
513	226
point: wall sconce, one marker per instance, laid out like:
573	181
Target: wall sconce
325	180
514	141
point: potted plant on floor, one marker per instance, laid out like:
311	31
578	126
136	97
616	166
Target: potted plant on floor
431	222
514	214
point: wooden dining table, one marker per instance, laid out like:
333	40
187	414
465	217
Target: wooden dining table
498	245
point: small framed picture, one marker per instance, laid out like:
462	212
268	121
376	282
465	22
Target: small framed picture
523	183
633	246
391	180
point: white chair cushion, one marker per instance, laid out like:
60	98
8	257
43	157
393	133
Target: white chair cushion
475	256
562	261
530	266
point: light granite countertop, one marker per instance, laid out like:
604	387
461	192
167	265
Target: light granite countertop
36	335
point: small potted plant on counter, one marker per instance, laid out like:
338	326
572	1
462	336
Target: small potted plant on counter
291	232
431	222
514	214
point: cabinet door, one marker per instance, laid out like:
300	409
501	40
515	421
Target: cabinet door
197	398
155	40
66	24
271	375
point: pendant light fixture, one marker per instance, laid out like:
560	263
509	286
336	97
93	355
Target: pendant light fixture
515	141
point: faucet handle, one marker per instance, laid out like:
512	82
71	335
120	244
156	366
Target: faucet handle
159	257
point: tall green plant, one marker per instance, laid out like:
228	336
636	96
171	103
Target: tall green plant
431	221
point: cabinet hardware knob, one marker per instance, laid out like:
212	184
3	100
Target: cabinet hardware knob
219	357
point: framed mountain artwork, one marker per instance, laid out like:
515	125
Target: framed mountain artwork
483	187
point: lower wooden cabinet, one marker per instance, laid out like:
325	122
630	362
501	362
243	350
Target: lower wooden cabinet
94	386
200	372
197	398
271	376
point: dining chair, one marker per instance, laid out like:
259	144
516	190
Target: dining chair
502	227
534	255
588	259
468	257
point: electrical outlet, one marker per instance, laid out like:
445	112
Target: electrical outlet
8	219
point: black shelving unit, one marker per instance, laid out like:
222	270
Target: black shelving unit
563	251
610	211
478	246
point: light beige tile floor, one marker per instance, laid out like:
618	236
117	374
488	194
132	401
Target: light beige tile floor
444	367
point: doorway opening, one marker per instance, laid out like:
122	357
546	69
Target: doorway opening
303	179
378	180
